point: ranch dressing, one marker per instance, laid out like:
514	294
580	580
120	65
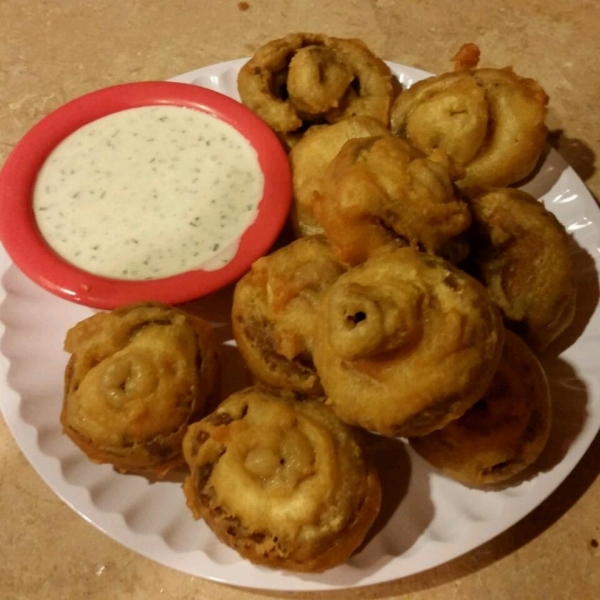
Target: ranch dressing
149	192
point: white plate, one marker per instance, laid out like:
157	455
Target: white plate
426	519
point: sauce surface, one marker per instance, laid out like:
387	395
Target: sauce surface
149	192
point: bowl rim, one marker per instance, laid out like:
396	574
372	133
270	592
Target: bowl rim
29	251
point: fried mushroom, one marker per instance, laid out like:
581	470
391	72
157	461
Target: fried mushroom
504	432
405	343
137	377
274	308
305	78
489	121
522	255
380	191
284	483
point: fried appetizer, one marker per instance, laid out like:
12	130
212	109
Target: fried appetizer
310	158
136	379
380	191
522	255
284	483
274	307
307	78
489	121
405	343
504	432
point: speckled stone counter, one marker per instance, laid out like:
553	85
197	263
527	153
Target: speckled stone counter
51	52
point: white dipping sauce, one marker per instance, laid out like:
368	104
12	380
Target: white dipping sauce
149	192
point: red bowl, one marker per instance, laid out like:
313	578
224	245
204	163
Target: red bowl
29	251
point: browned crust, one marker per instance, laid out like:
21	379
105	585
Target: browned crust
334	553
266	365
256	314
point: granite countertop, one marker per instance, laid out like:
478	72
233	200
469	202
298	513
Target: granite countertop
51	52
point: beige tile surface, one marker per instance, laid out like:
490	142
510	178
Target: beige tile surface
52	51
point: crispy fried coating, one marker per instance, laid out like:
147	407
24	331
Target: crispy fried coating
380	191
285	483
372	92
522	255
489	121
317	80
305	78
405	343
504	432
274	307
310	158
467	57
137	377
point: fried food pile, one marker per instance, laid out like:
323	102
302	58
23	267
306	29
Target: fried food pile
397	310
440	263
